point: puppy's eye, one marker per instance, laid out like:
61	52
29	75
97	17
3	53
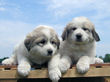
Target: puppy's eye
42	41
85	29
53	42
74	28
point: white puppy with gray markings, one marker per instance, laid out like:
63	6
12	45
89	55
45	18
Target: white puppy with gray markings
78	46
38	47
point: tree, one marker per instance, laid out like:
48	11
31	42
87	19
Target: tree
107	58
101	57
3	59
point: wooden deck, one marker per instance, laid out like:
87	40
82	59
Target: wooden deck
96	72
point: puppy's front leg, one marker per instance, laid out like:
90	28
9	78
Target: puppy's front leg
65	63
83	64
24	67
53	70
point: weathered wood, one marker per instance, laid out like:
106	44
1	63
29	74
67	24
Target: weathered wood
8	80
96	70
93	72
8	66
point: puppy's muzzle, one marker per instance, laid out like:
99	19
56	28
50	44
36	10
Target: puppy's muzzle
49	51
79	37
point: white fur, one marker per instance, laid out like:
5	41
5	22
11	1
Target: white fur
71	51
38	55
46	32
98	60
53	69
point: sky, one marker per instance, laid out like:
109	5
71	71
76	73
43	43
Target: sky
19	17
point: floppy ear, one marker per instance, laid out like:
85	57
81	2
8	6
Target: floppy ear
58	43
65	34
95	35
28	43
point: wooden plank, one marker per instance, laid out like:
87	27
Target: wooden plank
93	72
104	64
96	65
8	80
92	65
71	73
8	66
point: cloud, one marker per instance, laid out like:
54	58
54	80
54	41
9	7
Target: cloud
10	8
13	31
1	6
102	49
97	8
2	9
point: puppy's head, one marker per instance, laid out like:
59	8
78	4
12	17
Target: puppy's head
80	30
42	41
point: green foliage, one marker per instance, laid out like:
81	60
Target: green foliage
101	57
3	59
107	58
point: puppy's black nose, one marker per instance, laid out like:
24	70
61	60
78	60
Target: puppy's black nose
78	36
49	52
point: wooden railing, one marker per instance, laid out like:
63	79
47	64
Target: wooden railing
9	73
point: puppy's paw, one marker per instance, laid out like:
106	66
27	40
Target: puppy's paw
82	67
23	70
54	74
8	62
98	61
64	66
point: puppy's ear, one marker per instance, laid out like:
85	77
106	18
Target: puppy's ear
28	43
95	35
58	43
65	34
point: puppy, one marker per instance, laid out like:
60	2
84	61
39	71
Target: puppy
38	47
78	47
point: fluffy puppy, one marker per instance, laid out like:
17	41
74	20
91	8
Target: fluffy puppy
38	47
78	46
